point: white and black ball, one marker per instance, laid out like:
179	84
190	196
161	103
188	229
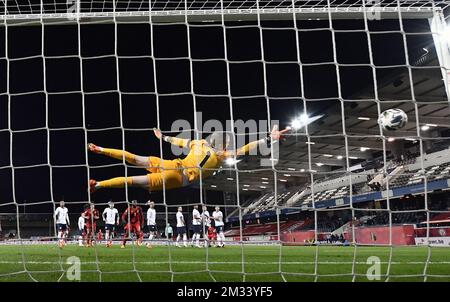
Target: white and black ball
393	119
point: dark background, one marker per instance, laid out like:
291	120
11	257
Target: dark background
52	96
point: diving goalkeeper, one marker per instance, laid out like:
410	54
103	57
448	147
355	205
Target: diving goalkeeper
204	158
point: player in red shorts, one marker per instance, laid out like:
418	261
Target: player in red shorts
91	215
212	235
134	219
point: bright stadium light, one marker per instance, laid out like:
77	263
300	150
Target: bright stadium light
364	149
300	121
231	161
391	139
247	186
283	180
363	118
296	124
411	140
213	186
319	164
425	128
230	178
304	118
339	157
265	182
302	170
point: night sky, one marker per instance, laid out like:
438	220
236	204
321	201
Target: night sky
137	92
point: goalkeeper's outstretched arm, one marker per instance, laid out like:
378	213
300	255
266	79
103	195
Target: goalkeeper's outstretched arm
181	142
274	136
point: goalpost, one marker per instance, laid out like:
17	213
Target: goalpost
207	13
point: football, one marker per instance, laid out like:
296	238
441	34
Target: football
393	119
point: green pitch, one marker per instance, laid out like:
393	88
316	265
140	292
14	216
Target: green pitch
261	263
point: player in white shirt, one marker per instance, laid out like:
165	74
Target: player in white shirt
196	226
62	221
81	225
181	227
206	220
151	222
110	216
218	222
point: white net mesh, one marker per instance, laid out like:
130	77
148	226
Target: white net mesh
86	74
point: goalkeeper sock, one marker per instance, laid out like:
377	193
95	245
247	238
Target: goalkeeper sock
197	242
150	237
118	182
120	154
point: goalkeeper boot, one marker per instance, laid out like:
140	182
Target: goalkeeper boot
122	246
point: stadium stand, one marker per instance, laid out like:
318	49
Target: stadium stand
403	175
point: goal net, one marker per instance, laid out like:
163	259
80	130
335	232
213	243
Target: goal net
338	197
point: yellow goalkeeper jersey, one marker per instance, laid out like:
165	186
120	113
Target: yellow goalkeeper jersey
202	157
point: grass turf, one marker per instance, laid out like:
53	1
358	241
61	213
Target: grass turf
260	263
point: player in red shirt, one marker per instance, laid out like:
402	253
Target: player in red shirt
91	215
134	219
212	235
100	235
